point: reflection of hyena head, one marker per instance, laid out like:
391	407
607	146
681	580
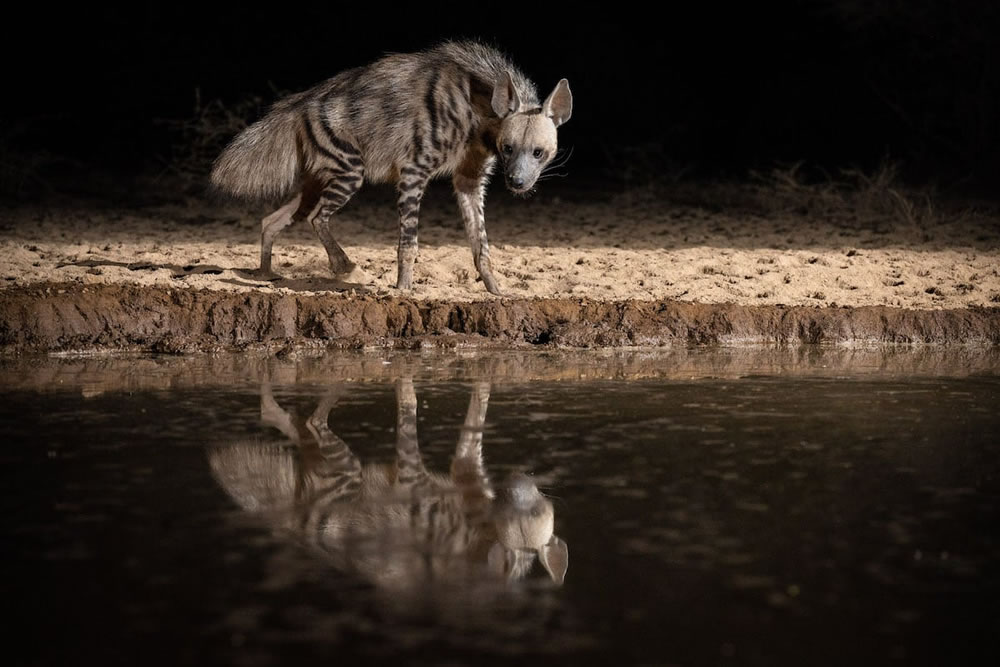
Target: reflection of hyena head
405	119
397	524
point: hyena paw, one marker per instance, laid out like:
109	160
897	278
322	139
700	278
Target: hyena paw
404	280
344	268
493	288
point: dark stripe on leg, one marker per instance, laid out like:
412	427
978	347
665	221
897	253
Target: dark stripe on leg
408	235
335	191
412	171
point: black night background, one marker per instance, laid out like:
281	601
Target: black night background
710	88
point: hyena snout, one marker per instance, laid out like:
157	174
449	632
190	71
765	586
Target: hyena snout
520	177
519	491
524	522
524	516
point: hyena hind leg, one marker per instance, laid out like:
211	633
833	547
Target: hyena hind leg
272	414
338	472
269	229
334	193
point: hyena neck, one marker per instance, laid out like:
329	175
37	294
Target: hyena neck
489	131
480	96
486	64
482	532
469	485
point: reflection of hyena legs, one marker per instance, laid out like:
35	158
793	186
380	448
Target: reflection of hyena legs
272	414
337	473
467	470
410	471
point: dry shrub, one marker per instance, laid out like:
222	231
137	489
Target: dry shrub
854	197
201	137
870	198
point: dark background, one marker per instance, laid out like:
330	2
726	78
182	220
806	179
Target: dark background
711	89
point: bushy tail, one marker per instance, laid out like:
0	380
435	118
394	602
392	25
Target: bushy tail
259	477
263	161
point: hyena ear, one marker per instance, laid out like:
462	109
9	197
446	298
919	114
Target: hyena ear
559	104
555	559
505	99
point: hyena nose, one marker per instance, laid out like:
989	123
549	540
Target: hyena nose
520	490
517	182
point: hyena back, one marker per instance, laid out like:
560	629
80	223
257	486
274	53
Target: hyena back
399	525
405	119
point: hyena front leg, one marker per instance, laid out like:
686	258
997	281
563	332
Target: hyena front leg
470	191
411	186
338	186
410	471
467	470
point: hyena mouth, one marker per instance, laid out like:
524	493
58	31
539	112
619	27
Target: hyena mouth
520	190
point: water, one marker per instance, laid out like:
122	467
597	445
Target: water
719	507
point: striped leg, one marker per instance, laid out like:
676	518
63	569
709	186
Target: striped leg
336	474
338	173
412	182
335	191
272	414
410	471
467	470
471	200
269	229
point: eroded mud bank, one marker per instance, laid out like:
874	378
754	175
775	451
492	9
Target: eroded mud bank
59	317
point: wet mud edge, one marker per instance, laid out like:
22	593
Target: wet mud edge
64	317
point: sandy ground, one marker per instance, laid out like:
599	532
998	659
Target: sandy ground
642	245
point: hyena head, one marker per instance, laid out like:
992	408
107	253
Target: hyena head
524	521
526	141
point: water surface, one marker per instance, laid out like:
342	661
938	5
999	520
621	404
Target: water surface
720	507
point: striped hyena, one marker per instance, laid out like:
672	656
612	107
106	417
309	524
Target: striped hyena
406	118
398	525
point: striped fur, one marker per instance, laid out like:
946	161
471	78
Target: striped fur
404	119
398	525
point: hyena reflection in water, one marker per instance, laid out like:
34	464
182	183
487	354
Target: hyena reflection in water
396	524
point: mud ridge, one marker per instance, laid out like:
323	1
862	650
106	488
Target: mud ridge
60	317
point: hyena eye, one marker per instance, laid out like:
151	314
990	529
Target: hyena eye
507	149
538	153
